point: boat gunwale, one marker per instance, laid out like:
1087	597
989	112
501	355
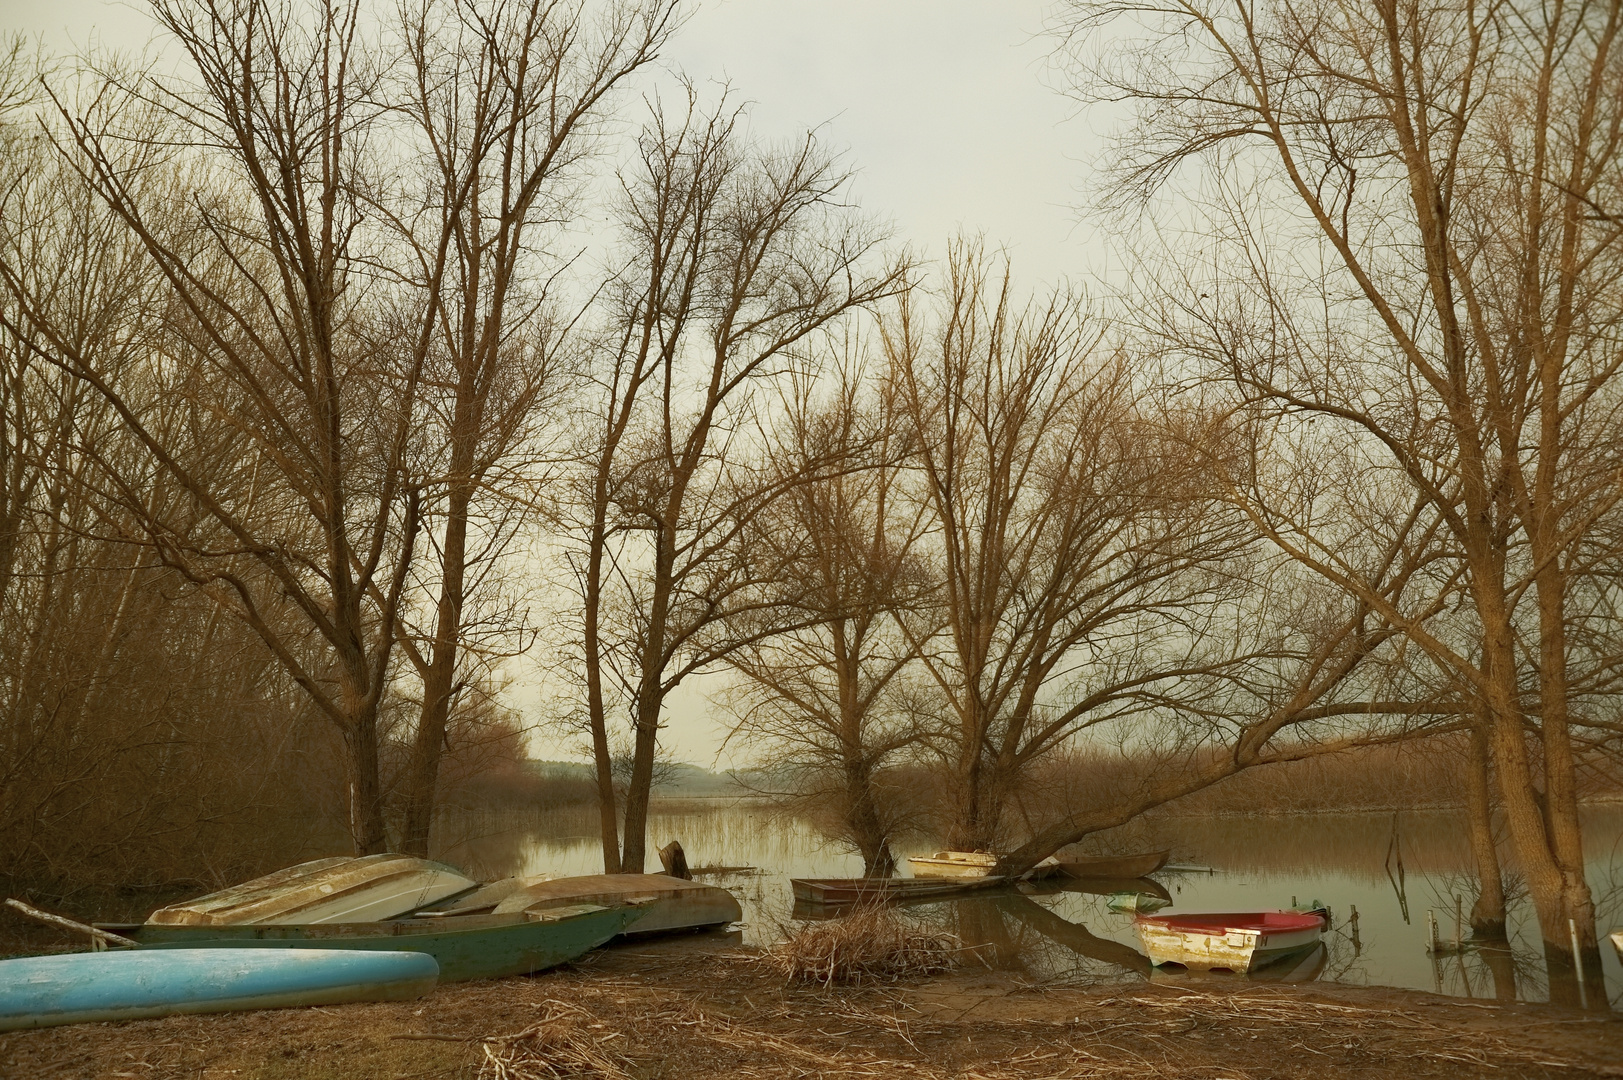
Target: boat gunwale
1238	922
406	927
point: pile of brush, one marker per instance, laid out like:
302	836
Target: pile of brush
563	1043
870	945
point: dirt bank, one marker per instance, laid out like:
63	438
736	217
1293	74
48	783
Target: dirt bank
704	1007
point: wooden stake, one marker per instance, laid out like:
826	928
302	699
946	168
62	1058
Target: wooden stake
1578	964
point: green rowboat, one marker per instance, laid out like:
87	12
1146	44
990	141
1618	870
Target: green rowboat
466	946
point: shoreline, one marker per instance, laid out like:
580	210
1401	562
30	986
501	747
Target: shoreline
702	1005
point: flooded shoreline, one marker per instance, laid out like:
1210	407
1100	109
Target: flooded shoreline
1349	862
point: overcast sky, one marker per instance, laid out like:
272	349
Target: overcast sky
942	106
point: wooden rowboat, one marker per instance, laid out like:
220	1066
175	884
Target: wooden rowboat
1098	887
969	865
82	988
1228	941
465	946
883	890
1114	866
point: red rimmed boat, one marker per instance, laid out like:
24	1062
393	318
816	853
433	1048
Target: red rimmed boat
1229	941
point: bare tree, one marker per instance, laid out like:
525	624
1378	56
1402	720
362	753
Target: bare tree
506	100
142	736
267	389
1420	206
737	258
1074	548
830	698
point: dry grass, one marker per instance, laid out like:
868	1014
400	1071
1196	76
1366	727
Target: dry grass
690	1008
870	945
565	1042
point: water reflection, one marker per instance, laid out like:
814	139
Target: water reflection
1052	932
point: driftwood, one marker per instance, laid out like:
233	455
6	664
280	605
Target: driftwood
103	936
675	861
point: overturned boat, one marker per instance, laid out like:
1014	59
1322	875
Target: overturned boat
667	903
335	890
80	988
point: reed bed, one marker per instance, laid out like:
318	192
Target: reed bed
870	945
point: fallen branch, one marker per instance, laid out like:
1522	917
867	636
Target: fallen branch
65	923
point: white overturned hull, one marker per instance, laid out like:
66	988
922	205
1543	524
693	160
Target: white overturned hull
1240	946
337	890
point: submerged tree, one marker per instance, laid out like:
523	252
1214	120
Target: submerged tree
1073	544
828	701
736	258
1414	219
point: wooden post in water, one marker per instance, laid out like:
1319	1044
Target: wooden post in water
1352	921
674	860
1578	964
1458	938
1431	929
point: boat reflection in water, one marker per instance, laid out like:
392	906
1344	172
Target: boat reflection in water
1007	929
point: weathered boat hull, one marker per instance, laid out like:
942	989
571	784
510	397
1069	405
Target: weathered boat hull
848	891
1100	886
337	890
79	988
466	947
667	903
1238	941
968	866
1617	942
1114	866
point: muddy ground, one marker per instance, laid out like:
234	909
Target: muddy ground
706	1007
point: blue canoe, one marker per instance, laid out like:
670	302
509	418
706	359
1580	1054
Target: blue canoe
78	988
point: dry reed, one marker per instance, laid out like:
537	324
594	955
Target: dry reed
870	945
563	1043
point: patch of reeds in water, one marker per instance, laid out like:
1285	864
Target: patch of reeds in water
868	946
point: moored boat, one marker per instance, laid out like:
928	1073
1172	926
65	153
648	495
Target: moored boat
1617	942
1228	941
336	890
78	988
969	865
883	890
1099	886
667	903
1113	866
465	946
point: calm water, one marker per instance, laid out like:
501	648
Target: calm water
1053	934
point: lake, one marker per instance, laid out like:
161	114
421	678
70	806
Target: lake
1050	934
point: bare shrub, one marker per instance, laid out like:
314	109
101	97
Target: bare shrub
870	945
562	1043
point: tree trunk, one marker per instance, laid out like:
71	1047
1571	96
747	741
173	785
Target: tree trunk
439	681
365	797
1560	775
642	777
862	817
1488	912
597	719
